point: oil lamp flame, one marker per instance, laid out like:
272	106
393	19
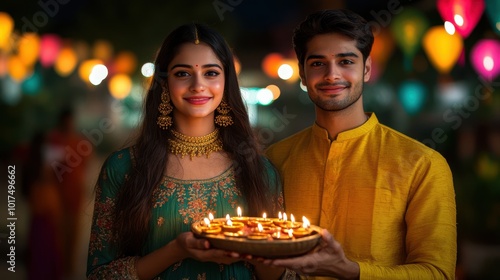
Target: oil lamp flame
305	222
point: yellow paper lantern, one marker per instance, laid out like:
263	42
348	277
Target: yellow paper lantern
120	86
16	68
442	49
6	27
66	61
29	48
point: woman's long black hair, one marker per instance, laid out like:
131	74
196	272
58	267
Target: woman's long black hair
134	203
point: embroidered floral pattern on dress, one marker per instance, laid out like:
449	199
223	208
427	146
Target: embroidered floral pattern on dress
197	197
112	270
101	233
176	266
161	195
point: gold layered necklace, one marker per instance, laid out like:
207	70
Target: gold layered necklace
183	145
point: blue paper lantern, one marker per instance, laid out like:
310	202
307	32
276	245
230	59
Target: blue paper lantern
412	95
32	85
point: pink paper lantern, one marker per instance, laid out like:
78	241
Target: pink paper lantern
485	58
464	14
50	45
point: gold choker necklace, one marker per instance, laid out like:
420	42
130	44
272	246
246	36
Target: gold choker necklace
183	145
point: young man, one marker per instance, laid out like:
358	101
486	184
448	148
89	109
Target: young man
386	201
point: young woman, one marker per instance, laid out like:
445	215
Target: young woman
195	154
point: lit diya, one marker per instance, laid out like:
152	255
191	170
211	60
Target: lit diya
213	222
304	230
231	226
263	229
282	236
281	220
240	219
233	229
259	234
209	229
290	224
264	221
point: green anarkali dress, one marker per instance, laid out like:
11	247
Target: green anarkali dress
176	205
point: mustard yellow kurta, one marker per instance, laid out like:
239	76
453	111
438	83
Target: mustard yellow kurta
387	198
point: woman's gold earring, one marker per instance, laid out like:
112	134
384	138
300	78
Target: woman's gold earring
164	121
224	119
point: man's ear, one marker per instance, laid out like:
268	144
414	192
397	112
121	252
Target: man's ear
368	69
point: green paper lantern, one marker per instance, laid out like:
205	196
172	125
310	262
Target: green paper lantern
408	29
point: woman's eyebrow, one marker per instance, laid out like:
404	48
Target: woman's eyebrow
190	66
